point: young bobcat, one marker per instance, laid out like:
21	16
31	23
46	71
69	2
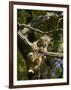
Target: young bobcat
35	58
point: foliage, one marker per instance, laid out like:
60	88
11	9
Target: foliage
21	66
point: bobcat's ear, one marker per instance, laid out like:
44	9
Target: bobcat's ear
49	39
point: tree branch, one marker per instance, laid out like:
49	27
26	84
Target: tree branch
33	23
59	22
52	54
22	37
37	30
